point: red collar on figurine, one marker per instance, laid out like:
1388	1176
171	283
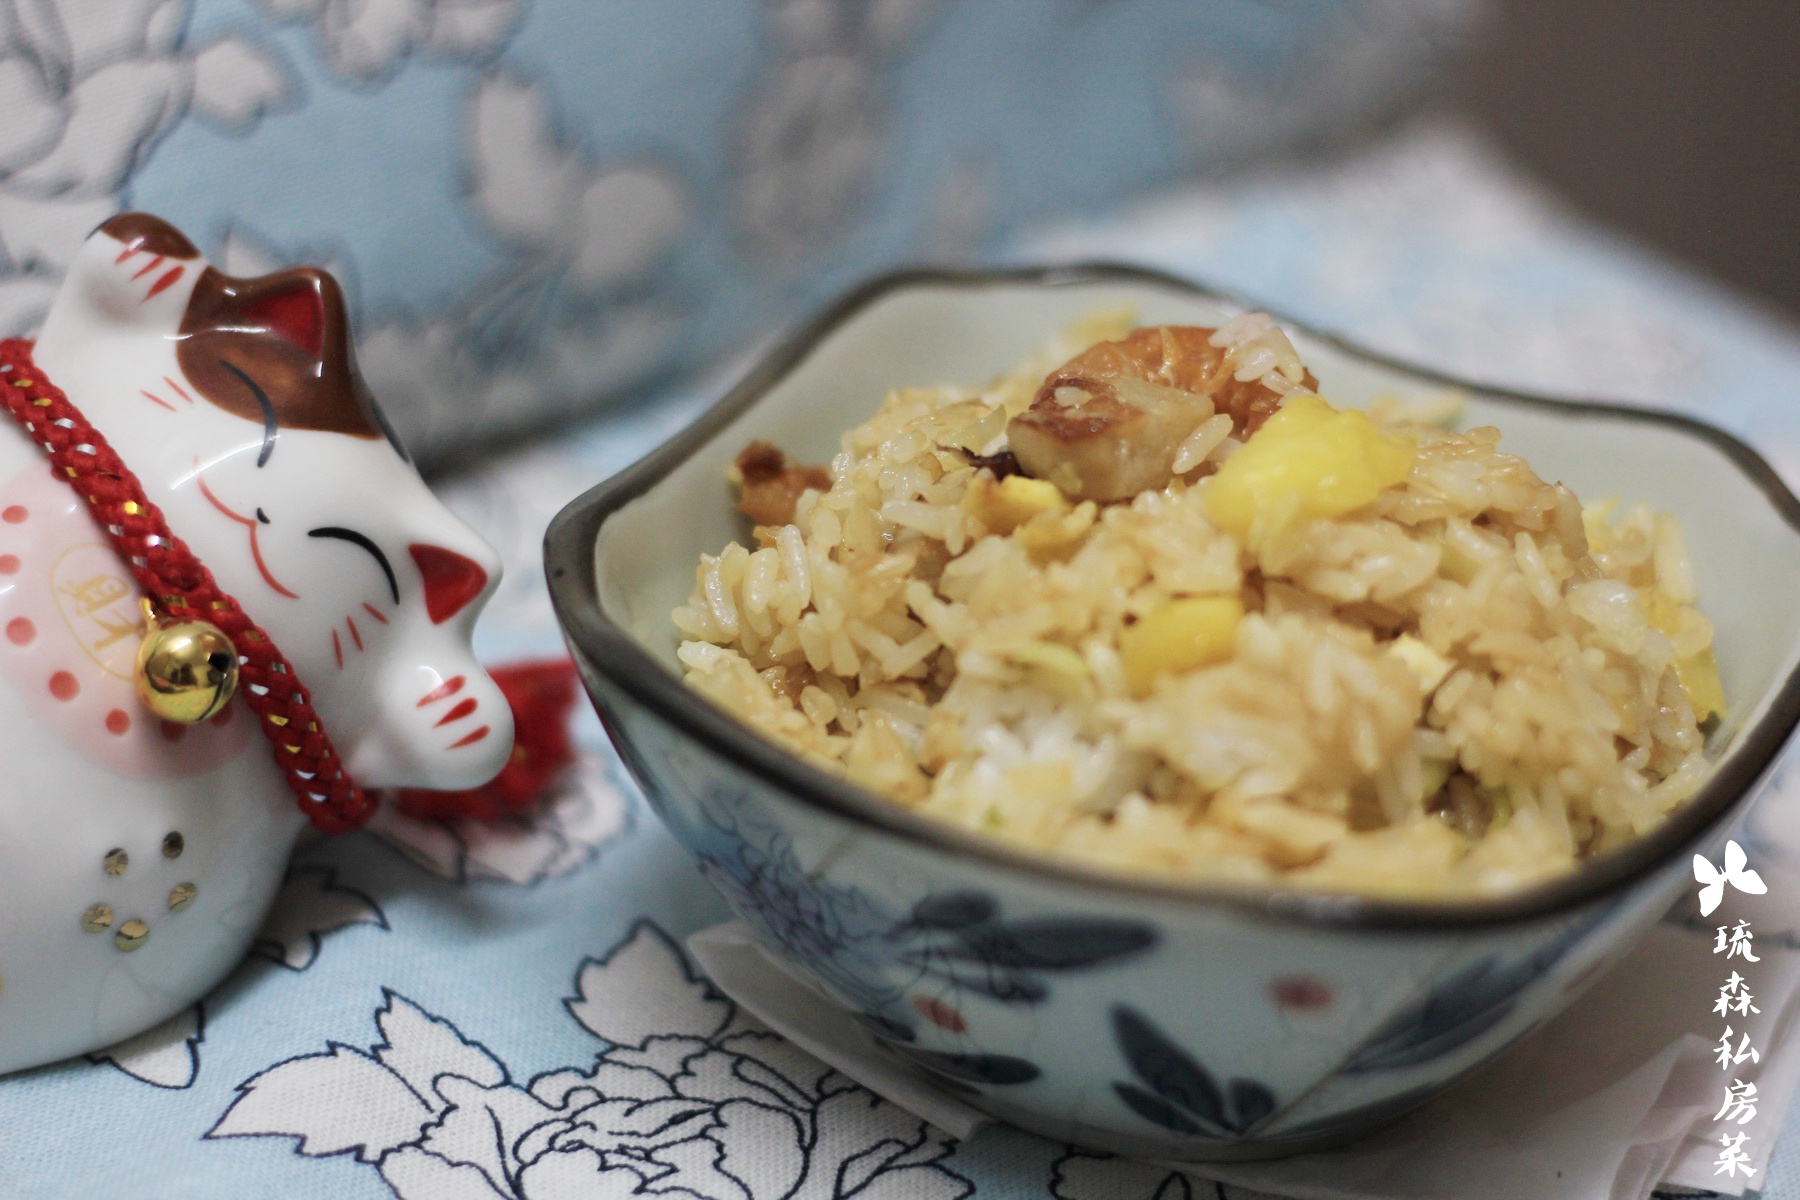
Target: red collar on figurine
181	589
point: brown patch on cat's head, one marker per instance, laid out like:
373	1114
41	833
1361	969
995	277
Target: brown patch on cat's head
277	345
141	231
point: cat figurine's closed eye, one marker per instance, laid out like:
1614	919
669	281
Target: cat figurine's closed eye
137	857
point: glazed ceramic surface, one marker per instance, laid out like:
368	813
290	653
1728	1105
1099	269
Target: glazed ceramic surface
137	857
1138	1015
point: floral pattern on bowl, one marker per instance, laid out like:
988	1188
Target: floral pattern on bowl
897	971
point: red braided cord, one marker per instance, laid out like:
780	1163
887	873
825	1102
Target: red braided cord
182	588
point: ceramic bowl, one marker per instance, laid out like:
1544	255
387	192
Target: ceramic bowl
1134	1014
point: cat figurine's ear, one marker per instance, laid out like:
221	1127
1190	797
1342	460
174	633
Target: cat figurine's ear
134	271
277	348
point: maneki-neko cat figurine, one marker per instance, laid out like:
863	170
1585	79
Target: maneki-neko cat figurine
228	604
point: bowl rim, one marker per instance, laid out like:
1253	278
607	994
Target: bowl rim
571	568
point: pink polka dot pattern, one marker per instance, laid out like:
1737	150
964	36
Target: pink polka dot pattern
78	688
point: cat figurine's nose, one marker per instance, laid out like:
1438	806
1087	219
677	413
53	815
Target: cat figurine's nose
452	580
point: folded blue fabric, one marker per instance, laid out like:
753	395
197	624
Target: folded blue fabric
538	206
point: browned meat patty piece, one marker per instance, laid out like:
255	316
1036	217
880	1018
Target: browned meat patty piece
771	485
1106	424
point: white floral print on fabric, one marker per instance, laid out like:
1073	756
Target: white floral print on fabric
813	135
583	240
1090	1175
690	1098
368	40
310	905
1231	107
586	812
87	89
166	1055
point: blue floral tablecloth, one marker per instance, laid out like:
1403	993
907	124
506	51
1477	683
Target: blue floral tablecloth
444	1010
536	205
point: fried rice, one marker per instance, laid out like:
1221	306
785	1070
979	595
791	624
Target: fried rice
1148	602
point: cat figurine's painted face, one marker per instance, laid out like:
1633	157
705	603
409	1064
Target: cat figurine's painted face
238	405
138	856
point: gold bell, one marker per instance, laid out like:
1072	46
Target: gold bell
186	671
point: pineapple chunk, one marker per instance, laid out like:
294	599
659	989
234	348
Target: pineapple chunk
1179	636
1005	505
1310	460
1699	676
1426	664
1696	668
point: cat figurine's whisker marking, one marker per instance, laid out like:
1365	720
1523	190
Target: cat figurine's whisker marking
457	713
166	281
159	285
263	369
443	691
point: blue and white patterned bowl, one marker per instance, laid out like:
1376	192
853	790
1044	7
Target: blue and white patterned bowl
1135	1014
